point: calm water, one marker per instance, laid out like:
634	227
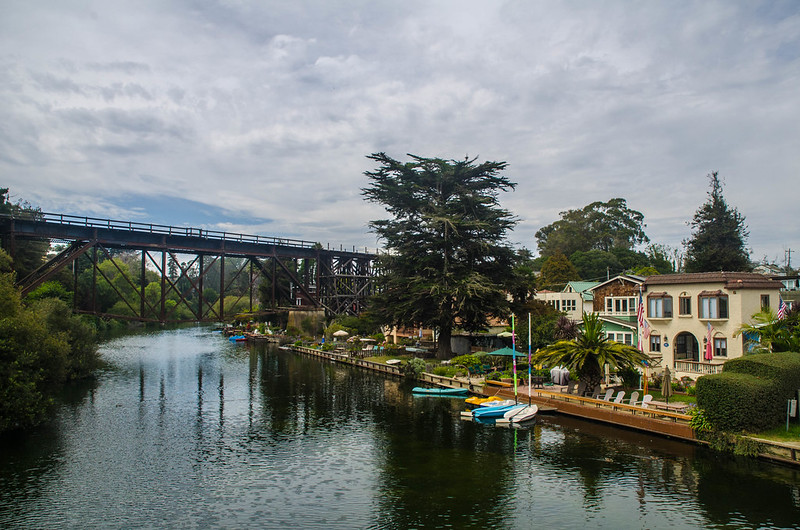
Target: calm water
192	431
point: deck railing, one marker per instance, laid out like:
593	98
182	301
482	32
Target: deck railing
698	368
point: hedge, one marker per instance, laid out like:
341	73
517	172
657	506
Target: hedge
751	393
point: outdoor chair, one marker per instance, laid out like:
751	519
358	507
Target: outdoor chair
581	389
619	397
609	394
634	398
570	388
646	401
595	394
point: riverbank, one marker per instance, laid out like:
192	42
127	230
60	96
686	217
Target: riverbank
651	420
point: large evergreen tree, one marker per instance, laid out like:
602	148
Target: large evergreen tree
447	255
719	235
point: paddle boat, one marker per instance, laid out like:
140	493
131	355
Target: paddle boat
494	412
519	415
477	400
440	391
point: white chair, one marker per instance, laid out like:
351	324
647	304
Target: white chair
646	401
619	397
634	398
609	394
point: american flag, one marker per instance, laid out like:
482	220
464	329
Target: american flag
644	328
781	309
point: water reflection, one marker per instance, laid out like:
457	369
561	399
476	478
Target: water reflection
254	436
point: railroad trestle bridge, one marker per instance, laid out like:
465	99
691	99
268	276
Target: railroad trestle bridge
195	269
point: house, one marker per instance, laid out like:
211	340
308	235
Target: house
616	301
686	311
574	300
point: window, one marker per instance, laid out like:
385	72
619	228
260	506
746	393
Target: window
720	347
684	305
621	305
659	306
764	301
621	337
655	343
568	305
715	306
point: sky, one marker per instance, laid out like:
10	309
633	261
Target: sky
257	116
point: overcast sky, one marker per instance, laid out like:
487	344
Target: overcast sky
256	116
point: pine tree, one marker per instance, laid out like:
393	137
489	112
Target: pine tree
719	235
447	254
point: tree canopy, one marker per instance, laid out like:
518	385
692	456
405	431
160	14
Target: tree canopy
719	235
447	256
556	272
589	352
597	226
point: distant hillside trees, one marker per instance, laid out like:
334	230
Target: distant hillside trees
719	235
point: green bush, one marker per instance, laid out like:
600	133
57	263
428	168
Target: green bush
413	368
740	402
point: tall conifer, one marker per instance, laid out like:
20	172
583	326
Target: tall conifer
719	235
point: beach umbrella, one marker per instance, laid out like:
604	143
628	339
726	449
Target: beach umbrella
505	334
666	384
340	333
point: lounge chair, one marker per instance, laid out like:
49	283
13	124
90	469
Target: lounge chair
646	401
619	397
634	398
581	389
595	394
609	394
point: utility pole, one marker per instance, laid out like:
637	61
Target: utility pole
788	253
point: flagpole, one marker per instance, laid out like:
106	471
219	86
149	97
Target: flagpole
514	355
530	381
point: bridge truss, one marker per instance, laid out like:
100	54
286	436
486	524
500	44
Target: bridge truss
186	263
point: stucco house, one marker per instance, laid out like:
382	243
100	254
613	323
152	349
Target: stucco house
686	311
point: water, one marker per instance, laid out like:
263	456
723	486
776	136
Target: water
189	430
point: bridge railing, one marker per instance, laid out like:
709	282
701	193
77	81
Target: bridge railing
151	228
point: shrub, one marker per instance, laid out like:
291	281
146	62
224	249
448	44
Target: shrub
494	376
738	402
413	368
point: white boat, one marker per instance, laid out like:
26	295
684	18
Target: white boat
519	415
506	403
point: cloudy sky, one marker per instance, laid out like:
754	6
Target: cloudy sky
256	116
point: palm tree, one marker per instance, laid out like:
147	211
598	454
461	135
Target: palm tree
589	352
768	333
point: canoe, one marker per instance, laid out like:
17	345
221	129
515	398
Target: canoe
526	413
237	338
494	412
440	391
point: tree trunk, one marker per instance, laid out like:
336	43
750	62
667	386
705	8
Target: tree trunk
444	350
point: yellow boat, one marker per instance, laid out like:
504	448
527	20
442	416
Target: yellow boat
477	400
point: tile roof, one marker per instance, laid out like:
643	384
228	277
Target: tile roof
732	280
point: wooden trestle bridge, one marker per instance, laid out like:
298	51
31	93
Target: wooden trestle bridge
296	272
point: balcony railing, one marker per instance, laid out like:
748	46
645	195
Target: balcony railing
698	368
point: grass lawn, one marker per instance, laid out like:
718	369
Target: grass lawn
674	398
779	434
384	358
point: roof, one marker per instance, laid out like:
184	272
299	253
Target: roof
619	322
731	280
584	288
624	277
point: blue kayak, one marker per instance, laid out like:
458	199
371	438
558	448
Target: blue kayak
440	391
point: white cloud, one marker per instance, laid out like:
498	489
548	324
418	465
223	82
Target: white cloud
268	109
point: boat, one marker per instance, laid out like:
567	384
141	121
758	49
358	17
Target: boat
440	391
494	412
477	400
498	403
237	338
519	415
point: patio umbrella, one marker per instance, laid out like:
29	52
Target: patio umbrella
340	333
666	384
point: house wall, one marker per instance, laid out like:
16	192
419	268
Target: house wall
742	304
557	299
617	288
